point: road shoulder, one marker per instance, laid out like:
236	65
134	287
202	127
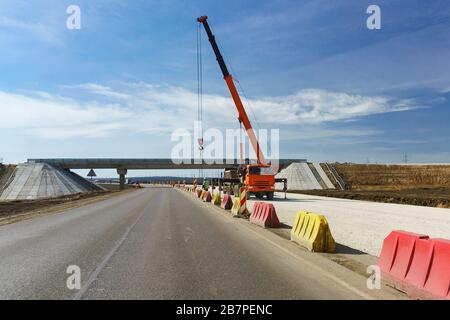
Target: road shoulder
15	211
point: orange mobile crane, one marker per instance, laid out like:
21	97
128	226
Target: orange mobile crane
258	178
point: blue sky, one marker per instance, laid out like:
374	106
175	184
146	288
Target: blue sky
122	83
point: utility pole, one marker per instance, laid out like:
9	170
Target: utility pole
405	158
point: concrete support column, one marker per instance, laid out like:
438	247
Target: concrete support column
122	172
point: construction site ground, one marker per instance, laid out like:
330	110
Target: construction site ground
362	225
393	176
429	197
13	211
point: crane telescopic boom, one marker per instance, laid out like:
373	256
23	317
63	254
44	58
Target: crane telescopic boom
243	118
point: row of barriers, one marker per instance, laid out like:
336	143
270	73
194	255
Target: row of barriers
412	263
309	230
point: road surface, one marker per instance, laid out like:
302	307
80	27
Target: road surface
161	243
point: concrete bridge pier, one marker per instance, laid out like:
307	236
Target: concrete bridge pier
122	172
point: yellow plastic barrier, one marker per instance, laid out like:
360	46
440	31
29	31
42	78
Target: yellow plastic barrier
236	206
313	232
202	194
216	200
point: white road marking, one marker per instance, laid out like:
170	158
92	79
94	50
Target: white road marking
93	276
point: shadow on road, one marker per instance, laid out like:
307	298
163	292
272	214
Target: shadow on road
340	248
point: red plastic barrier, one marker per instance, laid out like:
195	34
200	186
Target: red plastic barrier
438	281
227	202
416	264
207	197
264	215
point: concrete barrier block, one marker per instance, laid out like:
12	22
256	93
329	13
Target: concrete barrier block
264	215
416	264
236	205
312	231
216	200
227	203
207	197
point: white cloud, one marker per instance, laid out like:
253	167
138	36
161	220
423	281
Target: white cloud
53	117
316	106
153	109
320	132
41	31
99	90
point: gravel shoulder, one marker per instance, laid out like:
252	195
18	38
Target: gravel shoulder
14	211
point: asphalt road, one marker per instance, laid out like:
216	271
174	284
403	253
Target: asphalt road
160	243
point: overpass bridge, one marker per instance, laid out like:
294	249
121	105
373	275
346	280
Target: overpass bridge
123	165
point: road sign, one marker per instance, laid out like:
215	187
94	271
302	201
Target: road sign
92	173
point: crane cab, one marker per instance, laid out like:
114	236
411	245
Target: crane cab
260	180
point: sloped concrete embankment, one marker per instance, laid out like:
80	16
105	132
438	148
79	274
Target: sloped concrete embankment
39	180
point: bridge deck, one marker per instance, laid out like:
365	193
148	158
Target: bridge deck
104	163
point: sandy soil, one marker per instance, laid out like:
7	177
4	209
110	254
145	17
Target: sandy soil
429	197
13	211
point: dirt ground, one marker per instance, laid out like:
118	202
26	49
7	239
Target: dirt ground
422	185
115	186
5	173
430	197
13	211
394	177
